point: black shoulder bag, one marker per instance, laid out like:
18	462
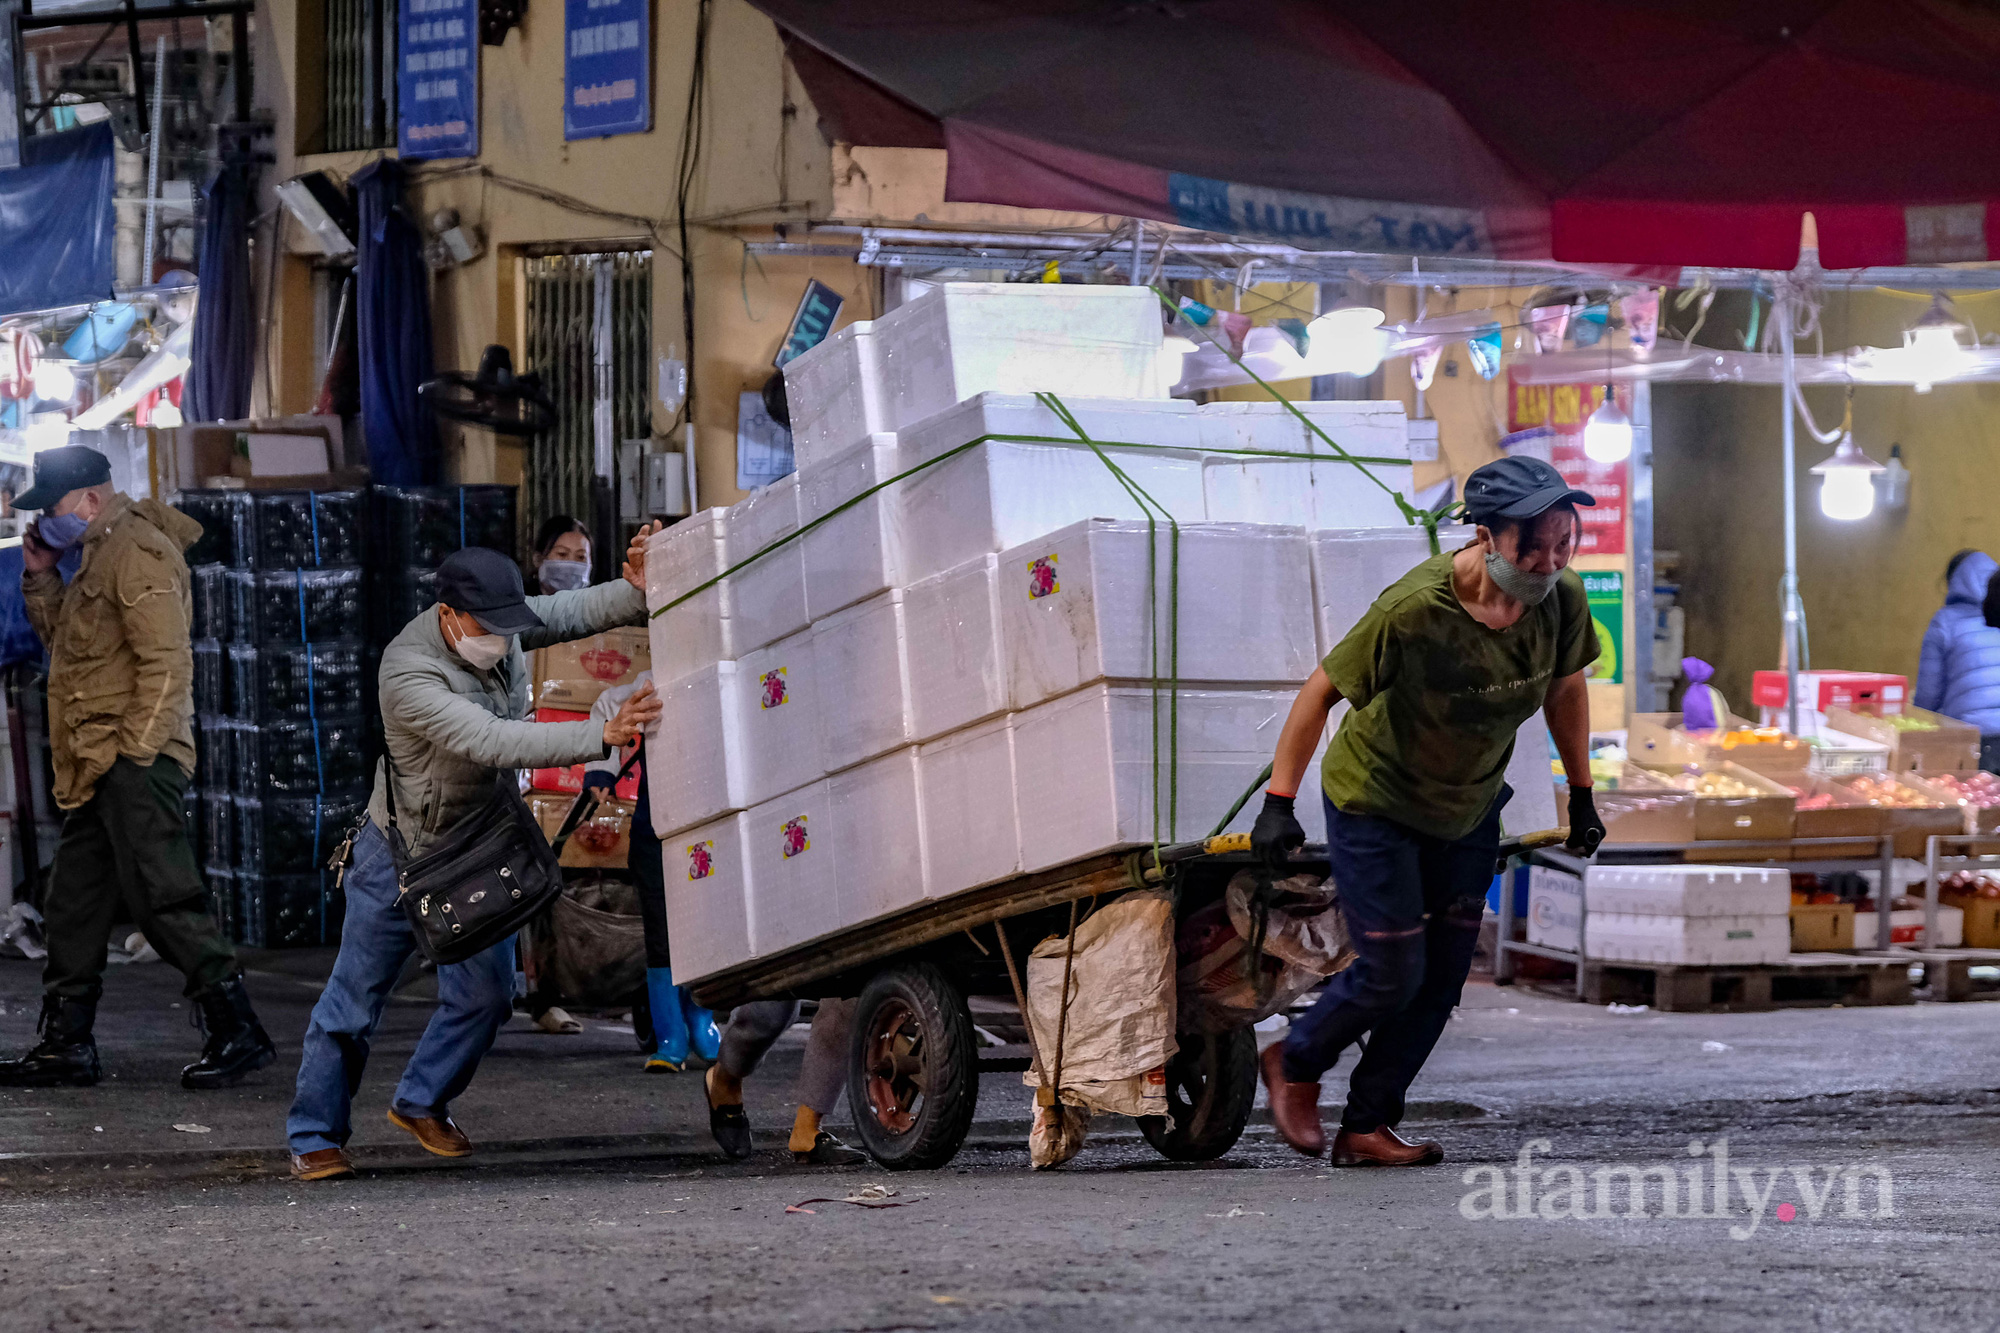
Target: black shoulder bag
482	879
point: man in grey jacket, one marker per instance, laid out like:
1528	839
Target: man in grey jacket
454	690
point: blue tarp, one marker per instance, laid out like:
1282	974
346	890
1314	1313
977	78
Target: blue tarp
218	382
394	308
56	227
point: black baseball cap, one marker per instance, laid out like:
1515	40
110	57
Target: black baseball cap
1517	487
60	471
486	585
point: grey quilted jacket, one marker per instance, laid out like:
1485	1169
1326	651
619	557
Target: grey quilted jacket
451	728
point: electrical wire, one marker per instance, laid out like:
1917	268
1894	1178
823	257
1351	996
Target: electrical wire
684	177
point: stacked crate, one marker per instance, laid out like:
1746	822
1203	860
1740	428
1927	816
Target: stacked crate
411	531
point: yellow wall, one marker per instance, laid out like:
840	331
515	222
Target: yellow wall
1869	587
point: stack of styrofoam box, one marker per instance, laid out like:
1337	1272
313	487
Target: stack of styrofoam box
1320	492
1693	915
1352	567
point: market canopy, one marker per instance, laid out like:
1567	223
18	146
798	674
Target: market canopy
57	237
1644	134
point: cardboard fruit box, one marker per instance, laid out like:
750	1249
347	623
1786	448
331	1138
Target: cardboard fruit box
571	675
601	842
1638	807
1751	807
1819	927
1973	791
1916	810
1660	738
1982	918
1917	740
1825	809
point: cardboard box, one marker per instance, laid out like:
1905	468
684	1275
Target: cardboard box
1913	827
571	675
1819	927
1643	809
1945	746
569	778
1906	924
1981	929
1979	819
601	842
1765	817
1857	691
258	455
1659	738
1847	817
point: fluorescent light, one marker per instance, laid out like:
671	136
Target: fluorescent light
1607	436
1847	485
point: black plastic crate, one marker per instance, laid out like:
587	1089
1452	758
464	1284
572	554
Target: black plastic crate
292	835
211	689
294	682
209	584
295	605
225	526
298	759
398	597
304	529
287	911
221	885
416	527
217	848
214	750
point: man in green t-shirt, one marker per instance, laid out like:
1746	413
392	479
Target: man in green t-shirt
1441	672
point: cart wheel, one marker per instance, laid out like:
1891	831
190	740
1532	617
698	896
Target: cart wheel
913	1071
1211	1084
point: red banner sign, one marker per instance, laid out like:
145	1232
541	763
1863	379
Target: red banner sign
1557	413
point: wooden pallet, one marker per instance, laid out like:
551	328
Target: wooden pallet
1804	981
1948	972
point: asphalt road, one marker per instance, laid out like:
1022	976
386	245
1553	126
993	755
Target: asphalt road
1816	1108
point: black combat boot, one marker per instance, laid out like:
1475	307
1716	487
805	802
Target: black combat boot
236	1043
66	1057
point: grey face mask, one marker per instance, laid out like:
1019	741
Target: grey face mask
1517	583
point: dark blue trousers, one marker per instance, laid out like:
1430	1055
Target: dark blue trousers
1412	905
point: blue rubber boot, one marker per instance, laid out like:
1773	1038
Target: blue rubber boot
703	1034
670	1027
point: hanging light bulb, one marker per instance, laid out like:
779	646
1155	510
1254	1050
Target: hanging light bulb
1847	485
1174	350
1346	340
1607	436
1931	349
54	382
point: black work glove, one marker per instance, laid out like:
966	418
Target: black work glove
1275	833
1586	830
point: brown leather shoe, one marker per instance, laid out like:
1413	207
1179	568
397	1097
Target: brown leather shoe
1294	1106
1384	1147
325	1164
437	1135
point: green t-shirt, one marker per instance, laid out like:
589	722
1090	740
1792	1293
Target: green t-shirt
1437	698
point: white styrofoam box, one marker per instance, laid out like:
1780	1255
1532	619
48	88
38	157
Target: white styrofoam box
1351	568
1699	941
1426	444
1378	429
996	496
1906	927
794	869
965	338
966	790
835	394
700	724
1317	494
768	599
1687	890
699	631
1161	423
1555	907
707	870
780	696
1311	810
858	552
1084	766
878	834
1082	604
951	626
863	666
1532	807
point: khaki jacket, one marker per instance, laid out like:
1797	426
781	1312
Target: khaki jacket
121	671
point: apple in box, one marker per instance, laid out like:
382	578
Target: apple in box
571	675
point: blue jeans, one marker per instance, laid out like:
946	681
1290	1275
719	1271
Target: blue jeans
1412	905
474	999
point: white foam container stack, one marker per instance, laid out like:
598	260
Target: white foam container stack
1687	891
1083	604
768	598
794	869
1318	493
861	656
699	727
835	395
858	552
965	338
967	794
701	630
957	675
877	828
707	871
1084	766
1352	567
1699	941
780	696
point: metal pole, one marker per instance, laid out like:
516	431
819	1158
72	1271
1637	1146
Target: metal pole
1138	251
153	156
1781	311
1885	893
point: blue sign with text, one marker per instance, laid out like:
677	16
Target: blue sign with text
437	79
607	68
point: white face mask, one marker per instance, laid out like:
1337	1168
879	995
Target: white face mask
482	651
564	575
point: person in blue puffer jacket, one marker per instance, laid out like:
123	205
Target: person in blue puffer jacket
1959	672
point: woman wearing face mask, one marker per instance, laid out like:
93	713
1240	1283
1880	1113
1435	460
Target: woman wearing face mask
562	555
1441	672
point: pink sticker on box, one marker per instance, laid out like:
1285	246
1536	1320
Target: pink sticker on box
701	860
771	689
795	839
1042	580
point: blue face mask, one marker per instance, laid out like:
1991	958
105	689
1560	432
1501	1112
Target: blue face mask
60	531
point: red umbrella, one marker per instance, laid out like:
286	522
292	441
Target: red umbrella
1583	131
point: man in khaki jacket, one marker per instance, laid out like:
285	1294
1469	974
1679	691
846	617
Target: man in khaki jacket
122	741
